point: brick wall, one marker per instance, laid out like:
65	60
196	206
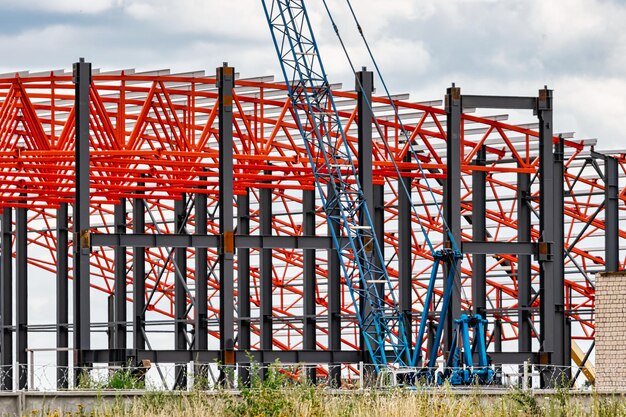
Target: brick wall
610	321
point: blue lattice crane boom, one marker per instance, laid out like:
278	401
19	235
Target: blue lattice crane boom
349	220
382	323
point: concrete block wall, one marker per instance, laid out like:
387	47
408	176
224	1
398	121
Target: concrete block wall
610	321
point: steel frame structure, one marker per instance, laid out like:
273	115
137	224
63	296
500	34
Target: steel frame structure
189	177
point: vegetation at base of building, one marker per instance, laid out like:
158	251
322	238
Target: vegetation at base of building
277	396
120	379
308	401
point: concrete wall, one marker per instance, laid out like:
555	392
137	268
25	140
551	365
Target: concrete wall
36	403
610	321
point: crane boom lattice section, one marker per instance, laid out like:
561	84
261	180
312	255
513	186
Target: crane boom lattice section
331	160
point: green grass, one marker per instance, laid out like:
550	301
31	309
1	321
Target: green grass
277	396
307	401
120	379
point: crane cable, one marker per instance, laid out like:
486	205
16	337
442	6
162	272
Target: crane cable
446	228
457	286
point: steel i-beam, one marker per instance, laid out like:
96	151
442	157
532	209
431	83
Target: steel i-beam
479	234
243	283
364	86
334	298
139	275
180	291
81	242
119	310
549	254
524	263
201	272
309	278
226	83
21	284
201	280
563	341
265	264
405	274
611	214
62	299
6	295
452	200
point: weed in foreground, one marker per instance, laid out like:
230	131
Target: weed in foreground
279	391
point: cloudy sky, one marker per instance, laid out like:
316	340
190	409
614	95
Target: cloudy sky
576	47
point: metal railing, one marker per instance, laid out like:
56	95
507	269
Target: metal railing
213	376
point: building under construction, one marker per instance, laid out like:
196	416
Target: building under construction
189	204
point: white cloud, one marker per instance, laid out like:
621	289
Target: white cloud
235	19
597	105
564	22
42	44
487	46
63	6
375	17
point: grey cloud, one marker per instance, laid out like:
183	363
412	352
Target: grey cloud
488	47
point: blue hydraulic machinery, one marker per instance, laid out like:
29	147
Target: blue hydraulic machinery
361	259
460	368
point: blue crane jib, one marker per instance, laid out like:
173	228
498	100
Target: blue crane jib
380	319
349	220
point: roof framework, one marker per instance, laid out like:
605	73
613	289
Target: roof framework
153	135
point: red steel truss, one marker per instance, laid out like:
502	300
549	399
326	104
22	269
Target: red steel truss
161	131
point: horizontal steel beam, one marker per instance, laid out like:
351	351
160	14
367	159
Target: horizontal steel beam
155	241
210	356
508	358
499	102
278	242
210	241
488	248
265	356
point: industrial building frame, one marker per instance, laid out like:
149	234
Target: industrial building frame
222	156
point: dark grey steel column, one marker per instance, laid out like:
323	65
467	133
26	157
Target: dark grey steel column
334	300
309	278
546	220
119	214
21	285
265	228
364	85
452	200
81	242
405	273
379	230
611	214
243	282
563	342
567	353
200	339
62	299
524	263
200	320
430	337
139	275
225	83
6	294
479	234
497	335
180	292
111	323
551	320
